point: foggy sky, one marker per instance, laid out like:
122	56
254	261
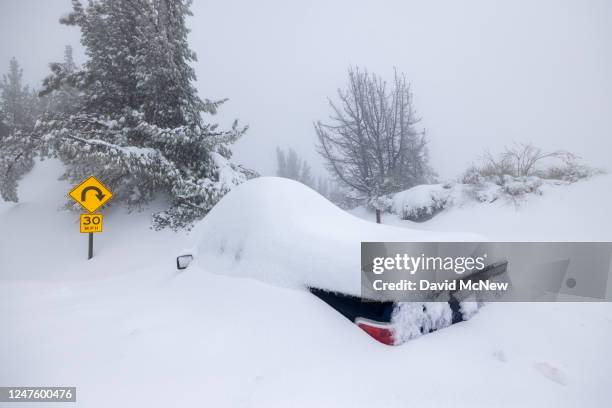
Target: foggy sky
484	73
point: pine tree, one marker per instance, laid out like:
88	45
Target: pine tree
60	97
306	174
290	165
139	126
294	165
18	112
281	163
322	186
16	100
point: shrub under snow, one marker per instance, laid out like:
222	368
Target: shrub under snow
420	203
516	186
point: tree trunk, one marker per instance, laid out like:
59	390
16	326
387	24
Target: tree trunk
378	216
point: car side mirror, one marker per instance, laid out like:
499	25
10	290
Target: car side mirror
183	261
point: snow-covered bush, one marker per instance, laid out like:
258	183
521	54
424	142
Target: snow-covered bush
486	191
570	171
527	160
520	170
516	186
473	175
420	203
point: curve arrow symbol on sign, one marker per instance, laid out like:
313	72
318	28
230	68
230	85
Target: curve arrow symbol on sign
99	194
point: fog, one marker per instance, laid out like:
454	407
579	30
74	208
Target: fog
483	73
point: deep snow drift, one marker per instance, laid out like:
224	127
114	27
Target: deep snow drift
128	330
283	232
581	211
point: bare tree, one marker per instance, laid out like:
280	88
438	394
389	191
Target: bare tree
525	156
372	145
520	160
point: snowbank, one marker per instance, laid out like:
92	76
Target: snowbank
546	211
423	202
280	231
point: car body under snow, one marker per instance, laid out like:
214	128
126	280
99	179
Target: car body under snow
283	233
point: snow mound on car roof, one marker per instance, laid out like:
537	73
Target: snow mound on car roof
283	232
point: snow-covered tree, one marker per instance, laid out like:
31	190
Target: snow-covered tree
372	145
281	163
290	165
306	174
139	126
336	193
323	186
15	103
60	96
18	112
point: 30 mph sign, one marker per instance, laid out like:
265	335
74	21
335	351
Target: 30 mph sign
91	223
91	194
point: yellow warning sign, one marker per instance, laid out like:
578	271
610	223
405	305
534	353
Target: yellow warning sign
91	194
91	223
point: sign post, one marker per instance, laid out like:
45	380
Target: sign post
90	247
92	195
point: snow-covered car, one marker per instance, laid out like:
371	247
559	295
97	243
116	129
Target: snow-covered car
283	233
393	323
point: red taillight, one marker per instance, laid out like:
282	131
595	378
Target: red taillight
380	331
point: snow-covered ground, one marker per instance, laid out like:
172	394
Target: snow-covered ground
129	330
581	211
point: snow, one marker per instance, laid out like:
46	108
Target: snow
559	212
420	201
129	330
410	317
271	228
522	185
